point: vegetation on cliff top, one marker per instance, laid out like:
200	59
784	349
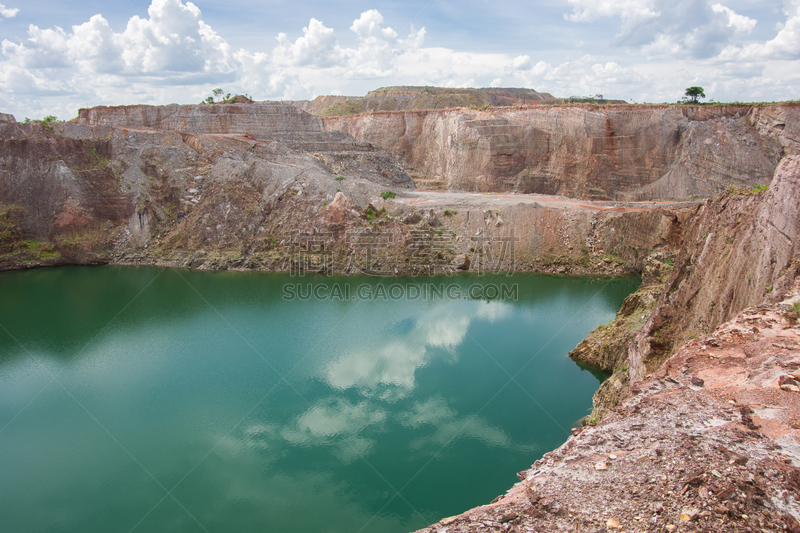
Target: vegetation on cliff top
218	97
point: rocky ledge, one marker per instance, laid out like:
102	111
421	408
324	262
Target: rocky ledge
711	442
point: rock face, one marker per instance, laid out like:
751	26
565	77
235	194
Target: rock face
259	119
62	187
620	152
271	121
736	251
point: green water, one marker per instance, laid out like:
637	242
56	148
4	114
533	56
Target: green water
147	399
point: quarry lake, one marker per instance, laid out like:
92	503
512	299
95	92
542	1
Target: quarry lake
149	399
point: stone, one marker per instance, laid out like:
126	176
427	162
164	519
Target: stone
412	218
689	514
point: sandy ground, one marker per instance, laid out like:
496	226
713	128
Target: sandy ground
439	199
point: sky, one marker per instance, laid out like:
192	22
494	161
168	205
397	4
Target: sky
59	56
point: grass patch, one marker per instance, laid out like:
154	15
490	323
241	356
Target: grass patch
41	250
340	109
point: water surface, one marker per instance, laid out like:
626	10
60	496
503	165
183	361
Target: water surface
147	399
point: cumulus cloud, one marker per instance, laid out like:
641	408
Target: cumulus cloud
670	27
585	76
8	12
317	47
172	40
590	10
784	46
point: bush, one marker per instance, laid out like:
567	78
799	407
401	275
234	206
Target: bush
388	194
339	178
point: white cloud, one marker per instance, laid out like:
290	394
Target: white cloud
785	45
173	40
8	12
668	27
590	10
739	23
522	62
317	47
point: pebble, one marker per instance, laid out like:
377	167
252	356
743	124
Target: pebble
613	523
688	514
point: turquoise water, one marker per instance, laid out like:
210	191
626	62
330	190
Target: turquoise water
147	399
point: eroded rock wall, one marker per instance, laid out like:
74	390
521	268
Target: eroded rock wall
611	152
61	187
736	251
257	119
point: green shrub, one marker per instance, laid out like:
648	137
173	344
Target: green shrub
339	178
387	194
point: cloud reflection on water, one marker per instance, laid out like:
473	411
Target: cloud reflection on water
387	371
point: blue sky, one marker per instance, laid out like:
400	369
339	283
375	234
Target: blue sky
59	56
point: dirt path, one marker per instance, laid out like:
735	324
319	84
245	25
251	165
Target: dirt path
432	199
